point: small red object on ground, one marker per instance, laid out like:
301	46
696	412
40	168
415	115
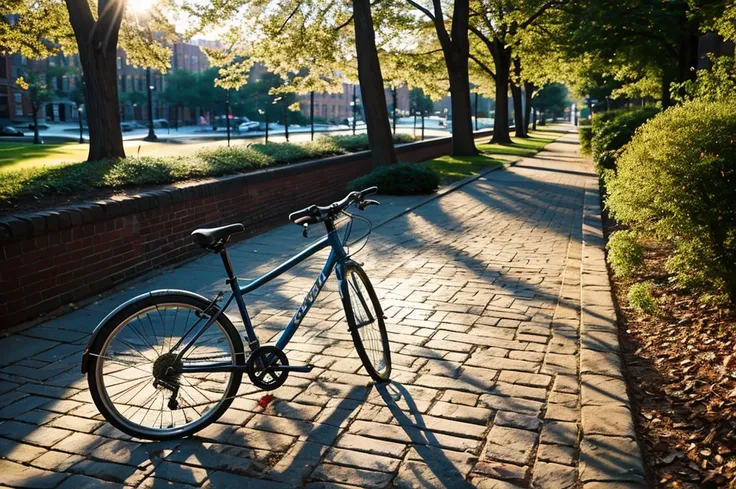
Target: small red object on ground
263	401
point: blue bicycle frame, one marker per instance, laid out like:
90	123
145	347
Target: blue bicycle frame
335	260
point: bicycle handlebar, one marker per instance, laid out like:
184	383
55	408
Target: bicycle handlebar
315	214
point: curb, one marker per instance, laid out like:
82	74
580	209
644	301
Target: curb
610	456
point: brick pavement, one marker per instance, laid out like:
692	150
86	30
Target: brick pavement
484	289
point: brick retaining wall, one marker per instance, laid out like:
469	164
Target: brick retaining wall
57	256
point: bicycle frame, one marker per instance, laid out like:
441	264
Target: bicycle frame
334	261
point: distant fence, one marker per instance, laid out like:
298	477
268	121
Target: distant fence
57	256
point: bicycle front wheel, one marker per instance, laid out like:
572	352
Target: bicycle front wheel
367	326
134	372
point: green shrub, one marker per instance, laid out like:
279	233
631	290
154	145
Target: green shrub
586	134
612	130
641	298
399	179
226	160
359	142
291	153
677	181
74	178
625	254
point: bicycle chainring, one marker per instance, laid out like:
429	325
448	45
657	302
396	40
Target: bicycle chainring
261	365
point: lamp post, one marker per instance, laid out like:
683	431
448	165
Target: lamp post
422	124
227	116
286	120
265	113
354	104
151	134
81	136
394	99
311	112
476	111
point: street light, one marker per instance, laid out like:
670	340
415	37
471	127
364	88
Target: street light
227	116
81	136
286	117
394	97
265	112
151	134
354	105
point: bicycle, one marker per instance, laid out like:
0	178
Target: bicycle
153	375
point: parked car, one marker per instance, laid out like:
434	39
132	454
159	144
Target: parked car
40	126
248	125
161	123
128	126
10	131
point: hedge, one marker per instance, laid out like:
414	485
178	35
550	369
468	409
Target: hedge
611	130
399	179
676	180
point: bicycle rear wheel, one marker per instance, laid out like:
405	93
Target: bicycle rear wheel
133	376
367	326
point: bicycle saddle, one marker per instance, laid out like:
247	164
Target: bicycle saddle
210	236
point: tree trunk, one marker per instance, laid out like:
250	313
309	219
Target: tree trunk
36	138
463	142
371	86
520	129
501	118
457	57
97	42
666	95
528	91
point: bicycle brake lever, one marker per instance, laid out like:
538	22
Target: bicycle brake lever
367	203
305	230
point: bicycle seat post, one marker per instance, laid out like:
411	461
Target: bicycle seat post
222	251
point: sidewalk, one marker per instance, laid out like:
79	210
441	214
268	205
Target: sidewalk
496	382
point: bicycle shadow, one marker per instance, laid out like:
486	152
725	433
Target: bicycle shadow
437	470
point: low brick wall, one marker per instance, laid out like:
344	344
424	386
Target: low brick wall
64	255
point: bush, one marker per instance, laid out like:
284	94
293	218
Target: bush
74	178
359	142
642	299
612	130
399	179
586	134
226	160
677	181
284	153
625	254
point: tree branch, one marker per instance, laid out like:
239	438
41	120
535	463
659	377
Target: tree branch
293	12
482	65
422	9
546	6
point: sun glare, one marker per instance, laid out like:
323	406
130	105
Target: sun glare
138	6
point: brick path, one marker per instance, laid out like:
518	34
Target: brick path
482	288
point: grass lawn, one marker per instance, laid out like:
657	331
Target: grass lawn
15	156
453	168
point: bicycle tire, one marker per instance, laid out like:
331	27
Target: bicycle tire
370	328
159	301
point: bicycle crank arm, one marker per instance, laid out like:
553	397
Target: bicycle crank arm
292	368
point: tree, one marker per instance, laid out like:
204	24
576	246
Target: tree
308	43
181	90
38	94
551	100
40	28
455	49
498	25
